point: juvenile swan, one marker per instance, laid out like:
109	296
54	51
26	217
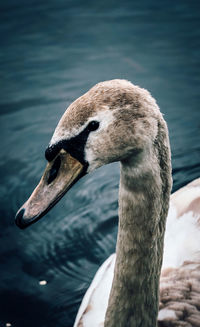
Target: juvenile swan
116	121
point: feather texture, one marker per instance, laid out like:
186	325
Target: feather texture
180	276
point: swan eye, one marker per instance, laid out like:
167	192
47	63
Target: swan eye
93	125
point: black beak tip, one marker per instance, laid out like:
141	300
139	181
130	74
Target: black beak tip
19	219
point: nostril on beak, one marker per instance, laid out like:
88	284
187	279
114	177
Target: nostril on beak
54	170
19	218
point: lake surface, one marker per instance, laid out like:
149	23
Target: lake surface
51	53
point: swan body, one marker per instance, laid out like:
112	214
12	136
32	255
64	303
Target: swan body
118	121
180	274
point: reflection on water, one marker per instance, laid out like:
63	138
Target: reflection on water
52	52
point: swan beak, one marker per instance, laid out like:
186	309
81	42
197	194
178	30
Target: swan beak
60	174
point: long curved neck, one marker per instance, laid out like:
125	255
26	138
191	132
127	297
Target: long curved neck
143	206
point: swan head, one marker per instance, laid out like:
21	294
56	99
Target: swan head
113	121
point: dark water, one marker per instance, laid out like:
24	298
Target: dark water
52	52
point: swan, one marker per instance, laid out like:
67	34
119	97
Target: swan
118	121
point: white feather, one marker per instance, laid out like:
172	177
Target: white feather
95	300
182	239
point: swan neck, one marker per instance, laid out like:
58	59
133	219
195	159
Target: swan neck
143	208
